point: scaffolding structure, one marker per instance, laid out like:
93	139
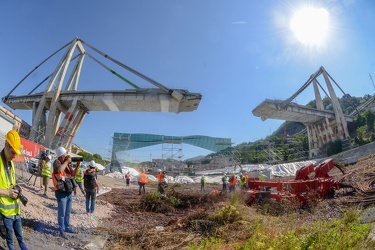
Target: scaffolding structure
172	146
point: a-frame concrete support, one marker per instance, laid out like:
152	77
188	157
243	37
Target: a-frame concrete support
322	133
50	132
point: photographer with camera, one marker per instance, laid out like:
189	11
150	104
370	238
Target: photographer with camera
46	171
10	192
63	189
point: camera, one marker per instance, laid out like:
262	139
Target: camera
20	196
43	156
77	159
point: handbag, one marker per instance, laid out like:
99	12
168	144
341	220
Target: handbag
68	183
60	186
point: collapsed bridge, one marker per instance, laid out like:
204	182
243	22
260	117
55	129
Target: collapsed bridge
59	110
323	125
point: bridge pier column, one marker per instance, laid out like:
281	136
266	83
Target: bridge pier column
63	130
320	135
76	124
341	125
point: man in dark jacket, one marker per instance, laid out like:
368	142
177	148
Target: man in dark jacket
89	182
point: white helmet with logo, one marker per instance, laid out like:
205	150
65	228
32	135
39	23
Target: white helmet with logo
60	151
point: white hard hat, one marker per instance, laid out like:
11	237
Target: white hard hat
49	157
60	151
159	170
92	163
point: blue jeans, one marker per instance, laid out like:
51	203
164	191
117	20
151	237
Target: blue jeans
64	206
14	223
80	187
90	200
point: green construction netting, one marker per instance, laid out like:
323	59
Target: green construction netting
125	141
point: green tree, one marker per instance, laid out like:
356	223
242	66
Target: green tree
85	155
370	119
360	138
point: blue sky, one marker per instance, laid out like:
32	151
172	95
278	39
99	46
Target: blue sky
235	53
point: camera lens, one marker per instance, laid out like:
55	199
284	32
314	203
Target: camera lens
23	199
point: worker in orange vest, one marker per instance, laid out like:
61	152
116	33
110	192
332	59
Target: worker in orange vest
247	181
142	182
232	183
127	178
161	181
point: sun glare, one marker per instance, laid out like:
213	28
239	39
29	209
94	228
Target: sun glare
310	25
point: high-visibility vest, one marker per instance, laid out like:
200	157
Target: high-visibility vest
143	178
79	175
8	205
203	180
243	180
46	168
160	177
127	176
233	182
224	179
56	177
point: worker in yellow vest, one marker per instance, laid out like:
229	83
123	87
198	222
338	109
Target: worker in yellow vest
46	172
79	179
243	182
10	192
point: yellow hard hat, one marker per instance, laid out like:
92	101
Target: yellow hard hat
14	140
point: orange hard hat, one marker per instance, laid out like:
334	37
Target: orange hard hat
14	140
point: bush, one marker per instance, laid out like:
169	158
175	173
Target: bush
334	147
227	214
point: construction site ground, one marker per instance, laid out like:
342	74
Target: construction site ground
123	219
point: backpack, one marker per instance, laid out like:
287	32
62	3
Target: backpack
89	180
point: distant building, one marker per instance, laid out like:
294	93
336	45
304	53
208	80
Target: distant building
9	121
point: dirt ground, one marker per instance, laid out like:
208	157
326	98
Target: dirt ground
123	219
39	217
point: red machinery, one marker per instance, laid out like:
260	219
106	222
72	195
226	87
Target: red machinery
302	189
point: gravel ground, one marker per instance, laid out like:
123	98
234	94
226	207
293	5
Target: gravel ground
39	217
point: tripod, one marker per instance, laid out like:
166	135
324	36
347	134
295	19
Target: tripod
36	174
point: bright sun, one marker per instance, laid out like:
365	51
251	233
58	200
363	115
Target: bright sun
310	25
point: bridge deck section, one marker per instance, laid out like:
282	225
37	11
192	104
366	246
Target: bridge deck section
149	100
293	112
